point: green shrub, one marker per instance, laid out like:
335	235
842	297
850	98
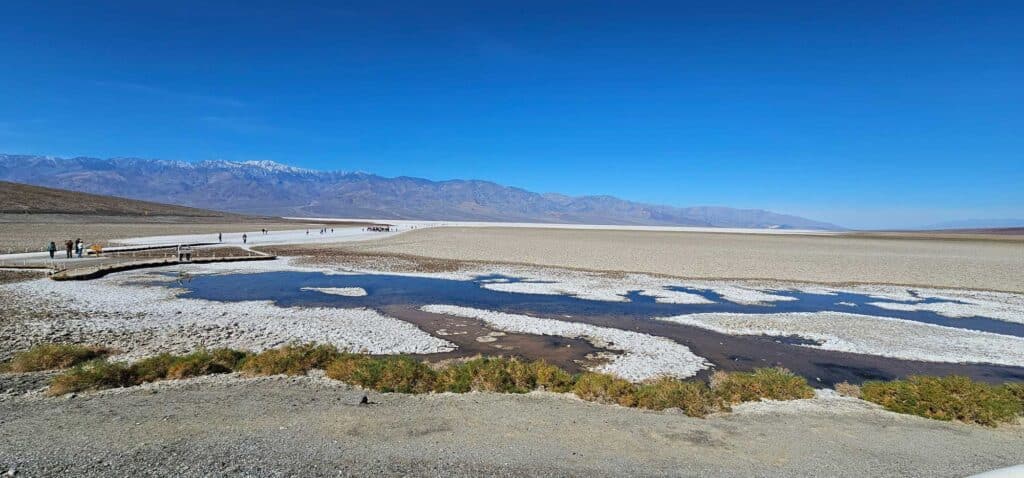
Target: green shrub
946	398
1015	389
605	388
389	374
552	378
151	369
97	374
692	397
763	383
195	364
295	359
54	356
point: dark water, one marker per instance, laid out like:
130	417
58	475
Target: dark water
285	289
727	352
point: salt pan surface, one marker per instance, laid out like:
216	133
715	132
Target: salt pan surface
109	307
886	337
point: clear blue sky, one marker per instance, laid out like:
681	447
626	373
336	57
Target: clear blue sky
868	114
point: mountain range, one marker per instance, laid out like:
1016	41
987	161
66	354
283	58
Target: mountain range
270	188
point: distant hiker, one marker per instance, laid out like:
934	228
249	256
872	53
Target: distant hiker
245	239
184	253
68	246
220	237
52	248
307	232
332	230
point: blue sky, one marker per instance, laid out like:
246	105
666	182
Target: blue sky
867	114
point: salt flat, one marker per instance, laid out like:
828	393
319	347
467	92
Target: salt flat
826	259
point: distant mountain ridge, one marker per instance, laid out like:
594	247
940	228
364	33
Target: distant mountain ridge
270	188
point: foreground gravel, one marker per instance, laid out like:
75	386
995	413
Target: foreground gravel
310	426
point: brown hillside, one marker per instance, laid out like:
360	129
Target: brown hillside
16	198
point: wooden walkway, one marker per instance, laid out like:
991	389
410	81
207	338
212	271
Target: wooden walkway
87	273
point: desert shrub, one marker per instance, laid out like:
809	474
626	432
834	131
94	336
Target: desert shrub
54	356
97	374
693	397
848	389
205	363
764	383
552	378
151	369
605	388
1015	389
389	374
487	374
946	398
294	359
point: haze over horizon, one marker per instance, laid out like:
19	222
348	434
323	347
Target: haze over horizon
869	115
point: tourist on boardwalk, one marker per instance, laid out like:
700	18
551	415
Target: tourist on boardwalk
79	247
52	248
68	247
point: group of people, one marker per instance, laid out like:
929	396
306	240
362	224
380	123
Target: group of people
72	248
245	237
379	228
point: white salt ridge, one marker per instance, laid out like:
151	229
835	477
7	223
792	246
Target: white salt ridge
582	285
881	336
645	356
739	294
992	305
342	291
112	307
554	288
666	296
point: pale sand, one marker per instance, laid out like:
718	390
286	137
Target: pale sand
970	264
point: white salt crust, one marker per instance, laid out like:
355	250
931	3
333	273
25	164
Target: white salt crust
342	291
110	307
881	336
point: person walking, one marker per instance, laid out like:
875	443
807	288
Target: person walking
79	246
68	246
220	237
52	249
245	238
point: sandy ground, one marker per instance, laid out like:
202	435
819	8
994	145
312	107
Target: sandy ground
827	259
309	426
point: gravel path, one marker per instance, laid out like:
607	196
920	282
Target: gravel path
311	426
